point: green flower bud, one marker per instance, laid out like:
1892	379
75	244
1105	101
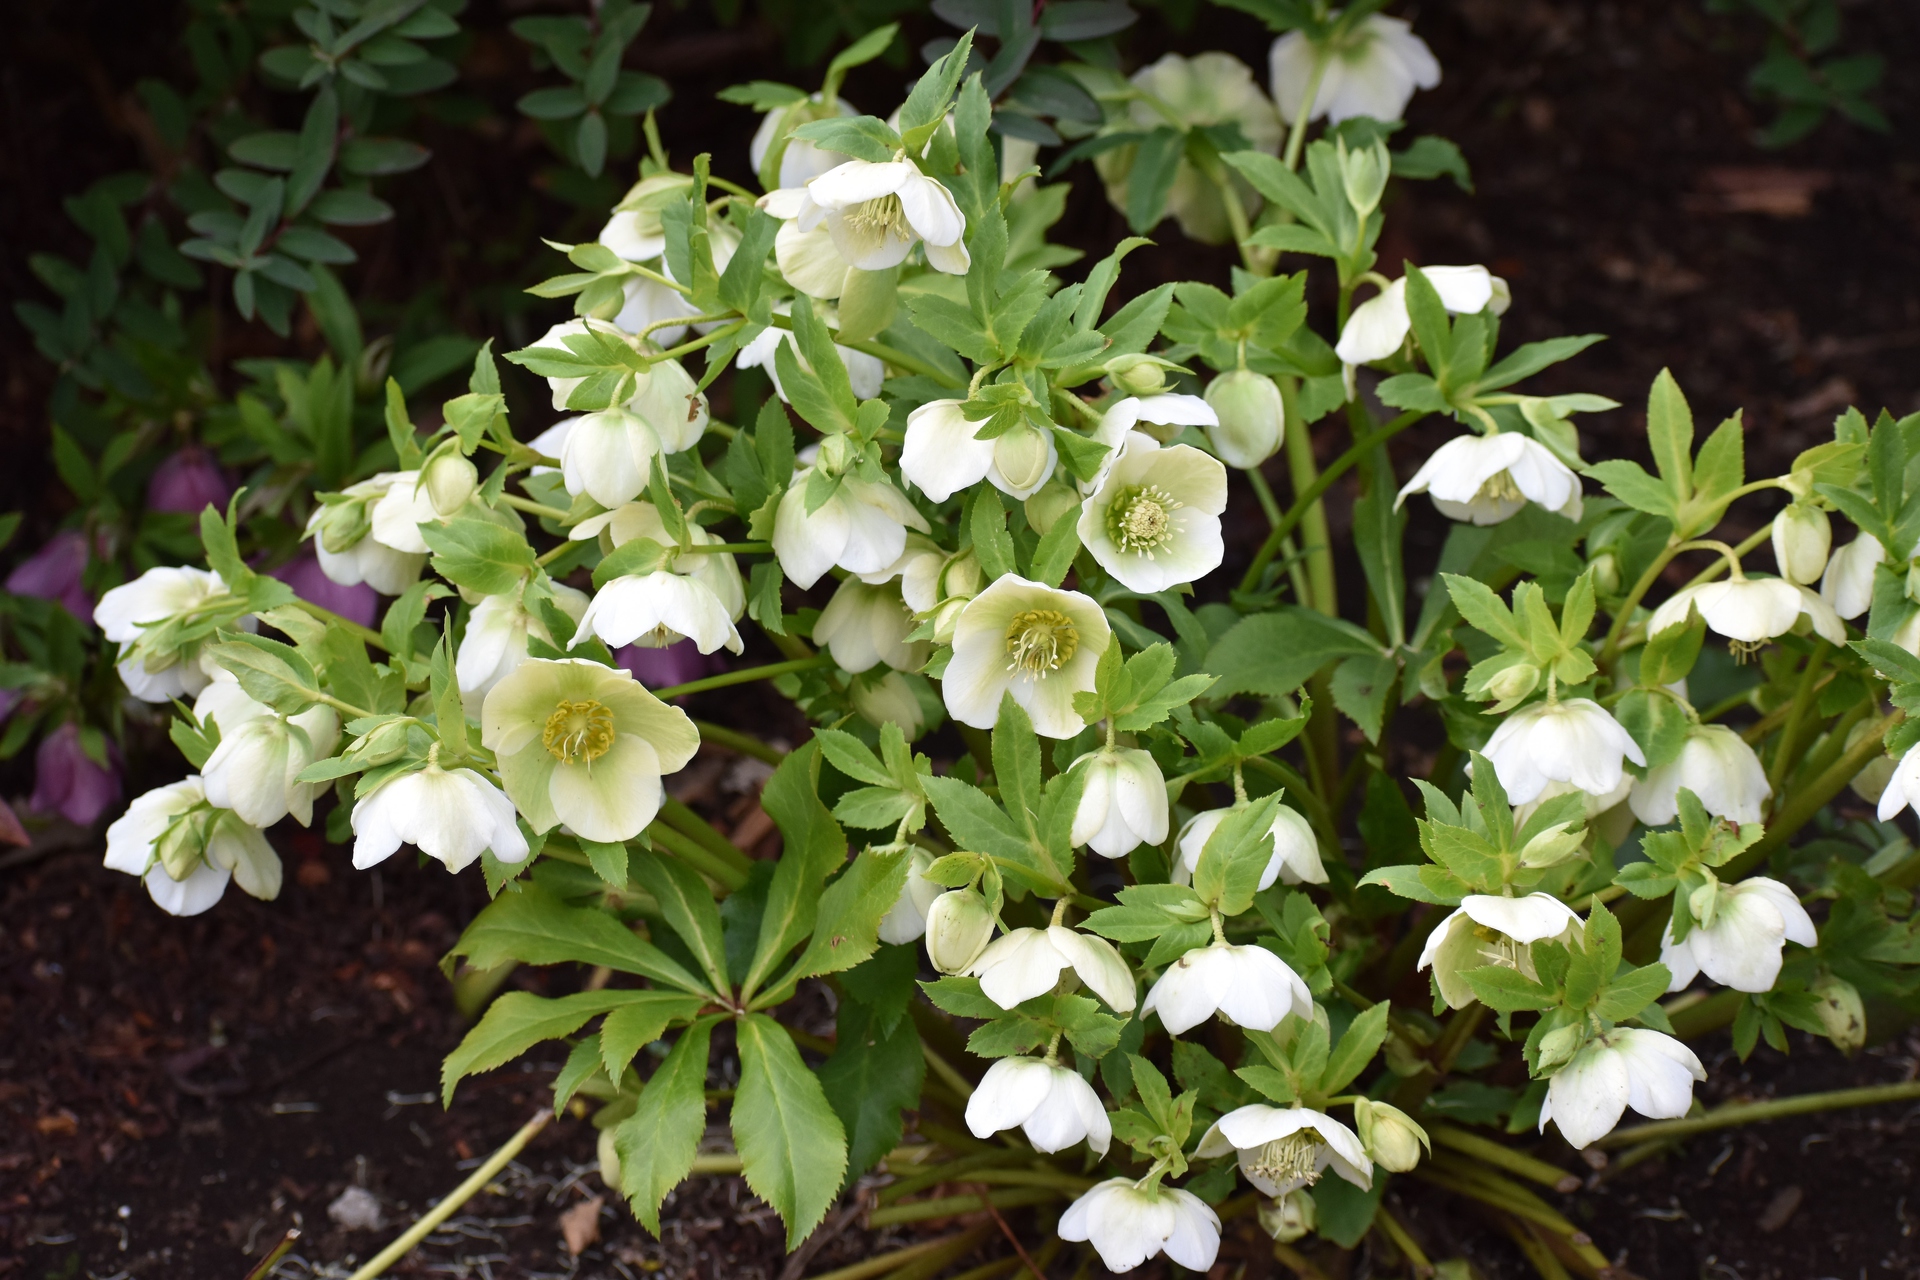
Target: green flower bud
837	453
868	302
609	1160
1390	1135
1364	173
883	697
1515	682
1023	456
1138	375
343	524
1252	417
450	480
1606	573
959	926
184	842
1048	504
1802	537
1290	1217
1842	1014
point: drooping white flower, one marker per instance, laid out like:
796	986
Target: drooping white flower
261	754
1737	936
1379	326
1490	929
1572	740
1627	1067
1903	787
1848	582
402	509
864	626
1154	522
451	815
125	612
635	230
1248	986
906	920
496	639
584	744
1127	1224
1123	802
862	528
1282	1149
1373	71
1025	963
1162	416
1296	850
1487	479
232	850
800	161
348	553
919	569
1039	643
1716	765
1750	611
697	596
810	261
1053	1104
609	455
877	211
942	457
865	373
644	303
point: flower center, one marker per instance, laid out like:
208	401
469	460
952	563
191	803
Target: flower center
1499	487
883	216
1291	1162
578	732
1039	640
1141	518
1743	650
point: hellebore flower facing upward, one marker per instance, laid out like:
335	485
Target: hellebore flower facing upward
1127	1223
584	744
1154	522
1373	70
1571	740
1737	936
1249	986
1489	929
1487	479
451	815
1036	642
186	867
1627	1067
877	211
1053	1104
1282	1149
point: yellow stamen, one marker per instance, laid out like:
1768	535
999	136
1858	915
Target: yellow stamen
578	732
1141	519
1040	640
883	215
1293	1160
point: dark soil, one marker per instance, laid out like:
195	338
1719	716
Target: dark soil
177	1093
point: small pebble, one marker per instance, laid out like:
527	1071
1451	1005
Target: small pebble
357	1209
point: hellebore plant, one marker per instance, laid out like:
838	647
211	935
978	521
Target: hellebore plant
1187	839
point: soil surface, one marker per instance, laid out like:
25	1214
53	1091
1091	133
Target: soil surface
176	1094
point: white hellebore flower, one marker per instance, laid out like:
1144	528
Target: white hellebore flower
1296	850
261	754
496	639
1123	802
349	554
1025	963
1379	326
800	161
1717	765
697	596
1903	787
1372	71
1489	929
233	850
451	815
1053	1104
155	596
906	920
862	528
865	373
1647	1070
1572	740
402	509
1487	479
1248	986
1253	418
1162	416
1154	522
1750	611
1036	642
1848	583
1127	1224
1737	936
1802	537
876	212
942	457
864	626
1282	1149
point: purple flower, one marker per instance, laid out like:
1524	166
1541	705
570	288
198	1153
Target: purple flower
357	603
66	781
678	663
53	573
188	481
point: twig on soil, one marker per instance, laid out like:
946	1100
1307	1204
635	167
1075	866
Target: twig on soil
825	1232
1012	1239
464	1192
278	1252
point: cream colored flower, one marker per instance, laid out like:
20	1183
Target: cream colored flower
877	212
1282	1149
941	455
1848	582
1379	326
864	626
1573	740
214	848
1738	934
496	639
1488	929
451	815
1127	1223
1039	643
1373	71
125	613
1750	611
698	597
1487	479
862	528
1718	766
1296	850
1154	522
1628	1066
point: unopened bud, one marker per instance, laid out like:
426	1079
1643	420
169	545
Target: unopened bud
1842	1014
343	525
1252	417
1872	780
1047	504
1389	1135
868	302
1558	1047
946	617
1023	456
449	479
1290	1217
836	454
962	576
1802	537
1137	375
1606	573
609	1161
1552	847
887	700
959	926
181	846
1364	174
1516	682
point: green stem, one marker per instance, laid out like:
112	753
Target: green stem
1313	513
1309	496
464	1192
1403	1241
1495	1153
1816	761
881	1264
1812	798
1263	493
1621	617
745	676
948	1206
734	740
365	634
531	507
1772	1109
689	823
1789	744
892	355
697	856
1297	138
